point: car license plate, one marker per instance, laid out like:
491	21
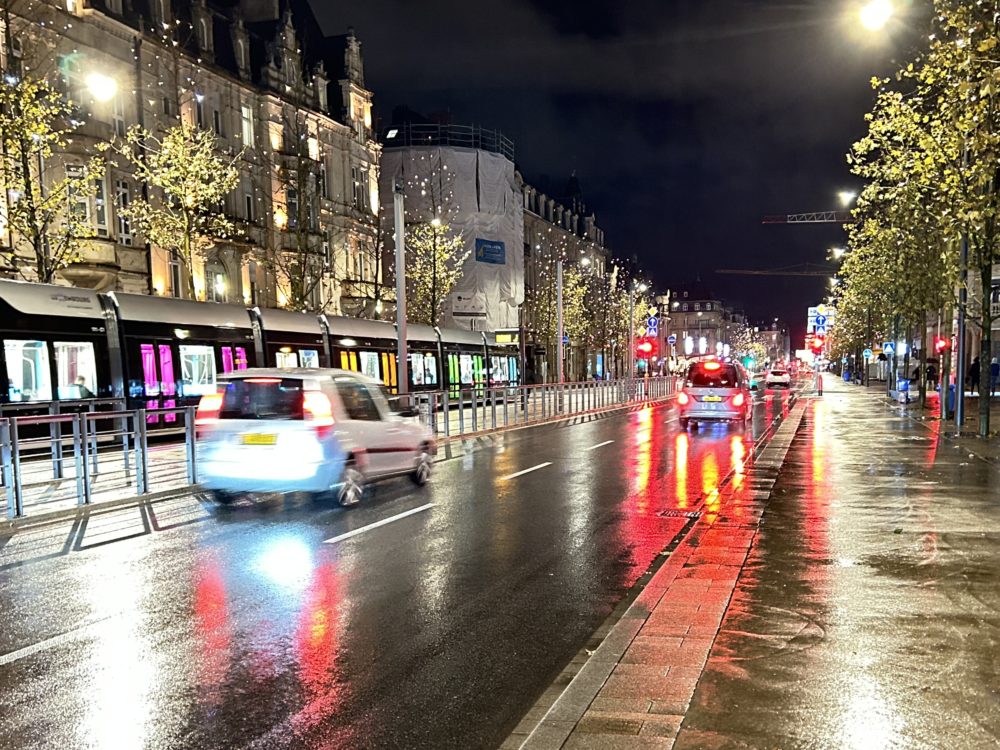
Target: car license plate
258	438
712	398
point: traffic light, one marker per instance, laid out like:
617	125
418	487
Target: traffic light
817	344
644	348
941	344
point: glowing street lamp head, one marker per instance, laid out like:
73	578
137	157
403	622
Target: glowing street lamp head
435	222
846	197
875	14
103	88
837	252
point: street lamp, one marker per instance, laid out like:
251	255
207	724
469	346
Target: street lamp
846	197
103	88
875	14
837	252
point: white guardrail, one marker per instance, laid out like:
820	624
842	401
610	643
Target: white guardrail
58	460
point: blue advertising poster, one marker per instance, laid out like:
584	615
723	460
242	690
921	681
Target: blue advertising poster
491	251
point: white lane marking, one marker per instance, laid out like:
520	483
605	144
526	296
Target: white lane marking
52	642
600	445
525	471
375	525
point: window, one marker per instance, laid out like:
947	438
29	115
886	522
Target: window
167	107
360	187
199	110
101	207
722	377
254	398
313	146
321	187
292	207
217	122
76	370
358	402
246	125
79	204
708	305
123	195
252	273
697	305
174	272
197	370
215	282
310	357
466	369
285	357
369	364
118	115
241	54
417	369
72	5
27	370
248	205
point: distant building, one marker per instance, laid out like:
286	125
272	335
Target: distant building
463	176
264	79
701	321
554	228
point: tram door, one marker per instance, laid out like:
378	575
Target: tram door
159	383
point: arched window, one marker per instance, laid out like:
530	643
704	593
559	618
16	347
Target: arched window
216	282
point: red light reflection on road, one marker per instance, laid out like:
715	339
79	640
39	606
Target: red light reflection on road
212	628
681	469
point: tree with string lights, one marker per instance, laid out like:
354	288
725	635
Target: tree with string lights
44	206
435	255
189	179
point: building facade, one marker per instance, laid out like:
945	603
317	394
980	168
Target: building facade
702	324
463	179
291	105
560	229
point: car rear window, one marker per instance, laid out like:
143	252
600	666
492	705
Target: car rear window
262	398
778	372
723	377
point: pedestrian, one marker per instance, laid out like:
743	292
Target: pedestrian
82	389
974	376
994	375
932	376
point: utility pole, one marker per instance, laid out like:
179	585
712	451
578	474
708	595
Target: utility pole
963	293
559	318
402	365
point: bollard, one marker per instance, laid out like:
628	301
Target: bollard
141	458
191	444
10	458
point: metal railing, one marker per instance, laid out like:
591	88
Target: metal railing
473	410
88	457
56	461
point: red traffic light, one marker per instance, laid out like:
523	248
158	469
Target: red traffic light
645	347
817	344
941	344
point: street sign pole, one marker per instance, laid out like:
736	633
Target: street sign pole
559	320
402	370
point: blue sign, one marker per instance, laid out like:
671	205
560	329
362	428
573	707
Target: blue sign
652	322
888	348
565	339
491	251
820	320
867	353
671	339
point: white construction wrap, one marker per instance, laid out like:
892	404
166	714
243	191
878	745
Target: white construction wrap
480	199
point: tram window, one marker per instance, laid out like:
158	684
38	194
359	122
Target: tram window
227	359
151	383
369	364
343	361
453	370
197	370
286	359
76	369
417	368
430	369
466	368
241	358
310	357
386	370
28	370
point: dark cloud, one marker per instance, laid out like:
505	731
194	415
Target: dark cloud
686	121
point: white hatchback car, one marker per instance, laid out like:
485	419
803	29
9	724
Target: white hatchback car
778	377
324	432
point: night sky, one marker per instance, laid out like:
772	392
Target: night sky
685	121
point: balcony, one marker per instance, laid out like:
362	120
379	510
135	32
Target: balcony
459	136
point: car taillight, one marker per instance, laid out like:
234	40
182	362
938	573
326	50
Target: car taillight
318	412
683	399
208	409
738	399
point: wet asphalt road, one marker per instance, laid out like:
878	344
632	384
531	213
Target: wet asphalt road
184	625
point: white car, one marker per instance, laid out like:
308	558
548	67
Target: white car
778	377
324	432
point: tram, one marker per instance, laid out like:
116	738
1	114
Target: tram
68	344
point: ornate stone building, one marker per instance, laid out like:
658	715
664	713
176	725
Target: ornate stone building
272	88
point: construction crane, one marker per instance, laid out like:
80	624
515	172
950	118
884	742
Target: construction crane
816	217
802	269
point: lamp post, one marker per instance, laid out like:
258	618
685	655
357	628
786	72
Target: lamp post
633	288
402	368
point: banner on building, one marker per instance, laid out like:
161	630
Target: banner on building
491	251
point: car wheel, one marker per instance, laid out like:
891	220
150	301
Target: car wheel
222	497
352	485
422	472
